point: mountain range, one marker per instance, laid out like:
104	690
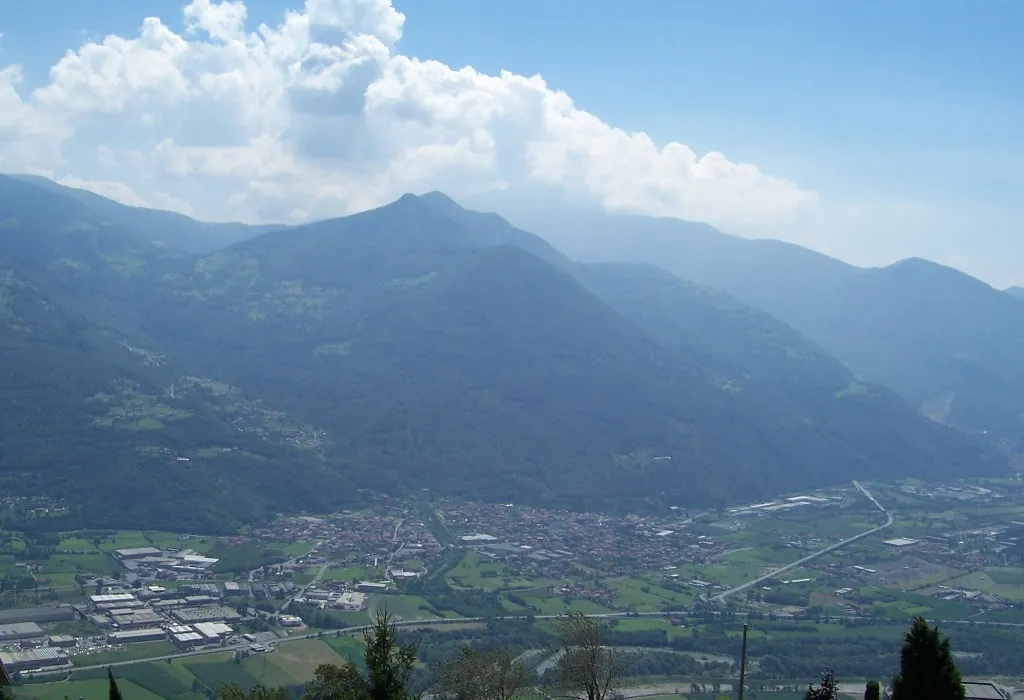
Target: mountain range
950	344
172	373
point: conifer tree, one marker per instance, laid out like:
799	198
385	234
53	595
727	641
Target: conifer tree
115	692
927	668
828	690
872	691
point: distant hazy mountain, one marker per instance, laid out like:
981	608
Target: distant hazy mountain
1016	292
951	345
168	227
415	346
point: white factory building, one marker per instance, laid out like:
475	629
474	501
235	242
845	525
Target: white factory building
32	659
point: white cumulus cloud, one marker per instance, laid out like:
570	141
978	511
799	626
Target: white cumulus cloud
320	114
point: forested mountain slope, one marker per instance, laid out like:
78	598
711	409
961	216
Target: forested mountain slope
414	346
948	343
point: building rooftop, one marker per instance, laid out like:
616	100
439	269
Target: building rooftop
39	614
213	629
10	658
130	634
982	690
137	552
185	637
21	629
112	598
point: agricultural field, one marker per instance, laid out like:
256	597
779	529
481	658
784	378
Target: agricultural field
641	624
61	568
262	668
1005	583
299	660
92	689
292	663
348	646
476	571
124	540
214	674
644	596
404	607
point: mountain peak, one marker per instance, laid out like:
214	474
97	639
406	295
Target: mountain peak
438	198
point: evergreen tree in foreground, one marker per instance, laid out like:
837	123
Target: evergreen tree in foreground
872	691
828	689
927	669
115	692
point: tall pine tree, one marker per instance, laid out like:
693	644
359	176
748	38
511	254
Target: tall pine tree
927	669
828	690
872	691
115	692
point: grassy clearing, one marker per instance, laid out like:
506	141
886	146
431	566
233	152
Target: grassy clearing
349	573
156	678
93	689
644	596
215	675
124	540
267	674
476	571
987	581
347	646
405	607
646	624
96	563
164	540
298	660
76	544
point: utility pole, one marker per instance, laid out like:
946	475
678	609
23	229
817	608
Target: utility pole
743	661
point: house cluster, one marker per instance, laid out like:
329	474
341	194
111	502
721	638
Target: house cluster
388	531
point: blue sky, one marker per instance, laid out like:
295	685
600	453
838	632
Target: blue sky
911	106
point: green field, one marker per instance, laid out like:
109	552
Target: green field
298	660
259	666
165	540
214	675
643	596
347	646
477	571
93	689
1006	583
97	563
124	540
404	607
76	544
159	679
644	624
349	573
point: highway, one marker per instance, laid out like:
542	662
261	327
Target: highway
721	597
